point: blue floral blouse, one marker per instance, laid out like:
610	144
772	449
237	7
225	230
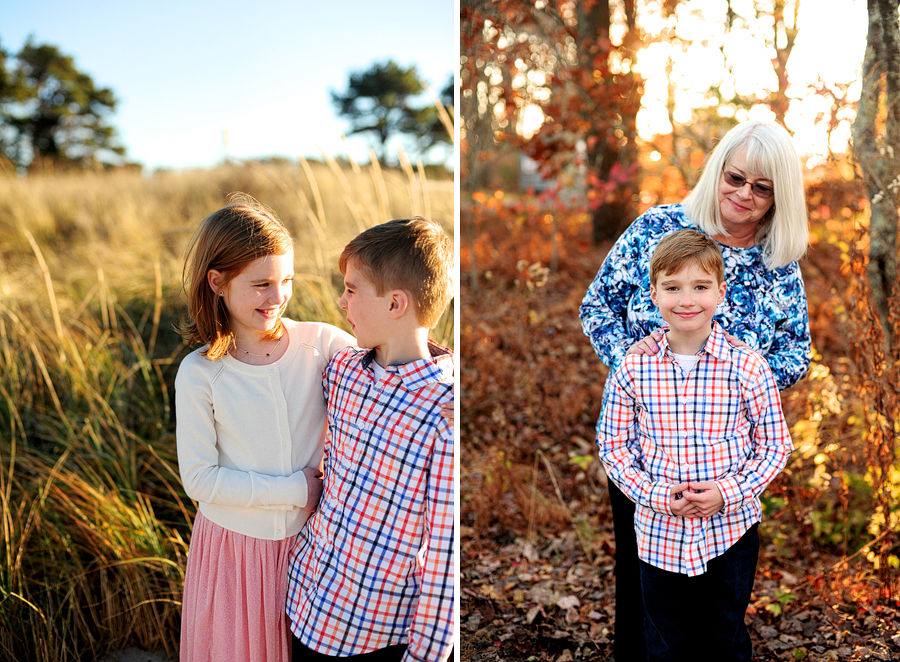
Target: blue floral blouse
765	308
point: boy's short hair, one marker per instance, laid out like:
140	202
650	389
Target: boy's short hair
412	254
685	247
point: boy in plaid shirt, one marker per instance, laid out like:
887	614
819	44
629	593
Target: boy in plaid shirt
693	434
371	575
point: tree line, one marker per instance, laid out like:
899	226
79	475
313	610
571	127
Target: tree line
576	62
54	115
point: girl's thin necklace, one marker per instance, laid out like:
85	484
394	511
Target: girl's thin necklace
259	355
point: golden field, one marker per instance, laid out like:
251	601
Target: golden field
94	525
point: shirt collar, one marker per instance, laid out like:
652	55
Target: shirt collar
716	345
417	374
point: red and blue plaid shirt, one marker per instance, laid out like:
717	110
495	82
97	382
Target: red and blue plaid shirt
722	422
374	566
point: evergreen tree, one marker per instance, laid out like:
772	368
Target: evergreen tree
50	112
379	100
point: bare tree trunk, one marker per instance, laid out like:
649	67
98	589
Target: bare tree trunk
878	149
780	102
477	127
611	218
474	176
876	144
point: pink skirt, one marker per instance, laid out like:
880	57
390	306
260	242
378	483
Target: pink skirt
235	588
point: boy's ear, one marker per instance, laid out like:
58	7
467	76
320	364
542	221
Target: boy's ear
399	303
653	295
215	278
722	288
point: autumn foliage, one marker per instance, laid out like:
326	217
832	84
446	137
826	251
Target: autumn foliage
537	536
559	56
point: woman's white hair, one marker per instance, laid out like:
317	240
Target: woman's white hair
784	231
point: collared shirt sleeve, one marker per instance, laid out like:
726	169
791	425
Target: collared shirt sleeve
431	634
770	440
788	356
620	449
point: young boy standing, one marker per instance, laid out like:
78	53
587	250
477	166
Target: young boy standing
693	434
371	576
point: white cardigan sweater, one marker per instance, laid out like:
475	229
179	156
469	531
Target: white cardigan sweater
246	432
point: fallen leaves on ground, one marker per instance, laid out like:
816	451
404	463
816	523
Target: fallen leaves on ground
537	544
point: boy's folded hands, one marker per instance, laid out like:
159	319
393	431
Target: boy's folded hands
701	499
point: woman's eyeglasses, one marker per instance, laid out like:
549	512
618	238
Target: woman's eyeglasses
737	181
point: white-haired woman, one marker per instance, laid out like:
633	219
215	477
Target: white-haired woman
750	199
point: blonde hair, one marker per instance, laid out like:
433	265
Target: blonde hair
784	232
227	240
412	254
685	247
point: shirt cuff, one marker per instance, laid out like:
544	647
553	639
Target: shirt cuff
731	492
659	498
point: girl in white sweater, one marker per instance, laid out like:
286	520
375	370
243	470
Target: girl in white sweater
250	429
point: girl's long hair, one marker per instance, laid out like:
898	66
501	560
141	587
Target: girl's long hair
227	240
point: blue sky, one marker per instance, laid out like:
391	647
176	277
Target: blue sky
184	72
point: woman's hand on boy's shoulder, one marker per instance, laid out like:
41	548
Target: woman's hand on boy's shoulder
648	345
735	341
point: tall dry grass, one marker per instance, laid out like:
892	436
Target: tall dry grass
94	525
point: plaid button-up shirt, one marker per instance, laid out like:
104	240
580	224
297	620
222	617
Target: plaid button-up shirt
374	566
722	422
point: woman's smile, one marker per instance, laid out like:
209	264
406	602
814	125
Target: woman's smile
740	209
